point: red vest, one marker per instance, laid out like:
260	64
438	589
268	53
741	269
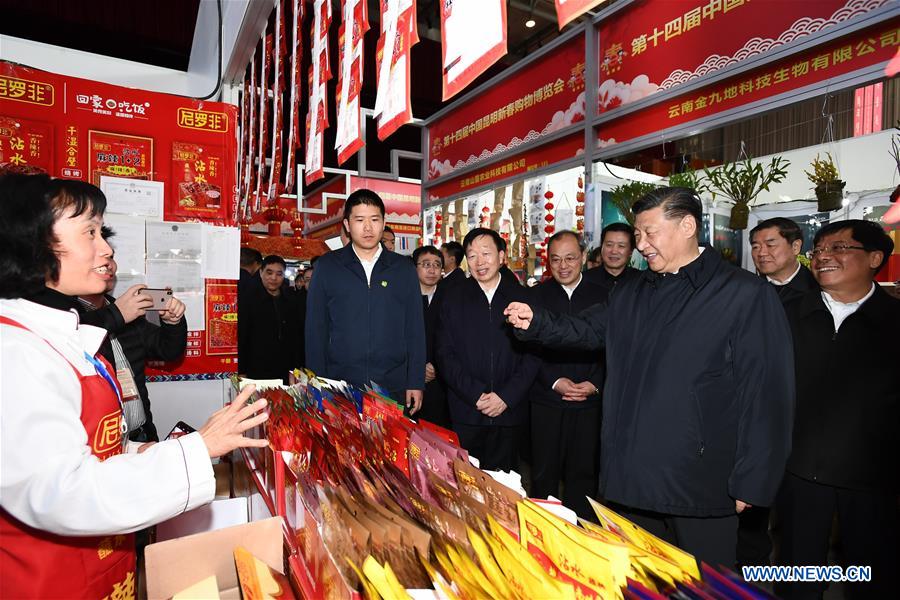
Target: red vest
38	564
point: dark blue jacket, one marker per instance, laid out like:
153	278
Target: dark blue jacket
477	352
360	332
699	393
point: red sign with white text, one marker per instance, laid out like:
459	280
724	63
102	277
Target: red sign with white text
402	203
569	10
838	57
81	129
556	151
543	98
652	46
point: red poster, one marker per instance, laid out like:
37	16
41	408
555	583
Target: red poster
867	110
473	37
25	146
399	33
568	10
119	155
859	99
221	318
877	99
93	128
844	55
543	98
197	179
652	46
517	164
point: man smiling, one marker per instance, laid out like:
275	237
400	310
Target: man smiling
697	404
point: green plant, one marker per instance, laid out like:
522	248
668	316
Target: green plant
690	179
624	196
824	171
742	181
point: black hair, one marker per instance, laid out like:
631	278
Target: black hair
273	259
107	232
788	228
250	256
869	234
27	259
387	229
622	227
362	196
455	250
426	250
480	231
676	202
564	233
594	255
29	207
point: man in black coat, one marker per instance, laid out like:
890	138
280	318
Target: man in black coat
364	310
429	261
565	396
251	261
453	257
845	456
270	326
697	405
616	247
775	245
487	370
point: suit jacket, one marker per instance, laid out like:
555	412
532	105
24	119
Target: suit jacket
270	334
797	287
454	277
477	353
577	365
362	332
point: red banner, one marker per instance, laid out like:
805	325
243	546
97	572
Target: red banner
543	98
559	150
221	318
654	46
81	129
399	33
402	203
568	10
473	37
839	57
198	176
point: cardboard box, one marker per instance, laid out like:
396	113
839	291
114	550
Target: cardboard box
176	564
218	514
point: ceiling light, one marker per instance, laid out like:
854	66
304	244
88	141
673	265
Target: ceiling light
530	23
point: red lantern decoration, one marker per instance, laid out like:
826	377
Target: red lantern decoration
485	210
548	194
549	206
580	181
548	218
549	228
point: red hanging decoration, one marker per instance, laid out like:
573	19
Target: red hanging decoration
580	182
548	194
548	218
485	209
549	206
549	228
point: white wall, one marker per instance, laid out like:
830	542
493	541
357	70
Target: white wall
189	401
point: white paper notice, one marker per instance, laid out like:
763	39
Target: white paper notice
125	281
174	240
221	252
180	275
565	219
194	309
136	197
128	243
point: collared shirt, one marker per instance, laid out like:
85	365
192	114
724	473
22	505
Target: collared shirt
430	295
786	281
701	249
569	290
841	310
491	291
369	265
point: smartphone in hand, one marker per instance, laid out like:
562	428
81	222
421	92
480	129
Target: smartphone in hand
160	297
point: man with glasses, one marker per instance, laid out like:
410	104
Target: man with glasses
565	396
429	263
845	456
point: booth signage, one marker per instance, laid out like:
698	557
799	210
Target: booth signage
652	46
543	98
844	55
80	129
565	148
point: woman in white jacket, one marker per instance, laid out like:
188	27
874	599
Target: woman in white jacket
69	493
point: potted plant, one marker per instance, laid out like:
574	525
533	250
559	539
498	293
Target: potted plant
691	179
624	196
829	187
742	181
